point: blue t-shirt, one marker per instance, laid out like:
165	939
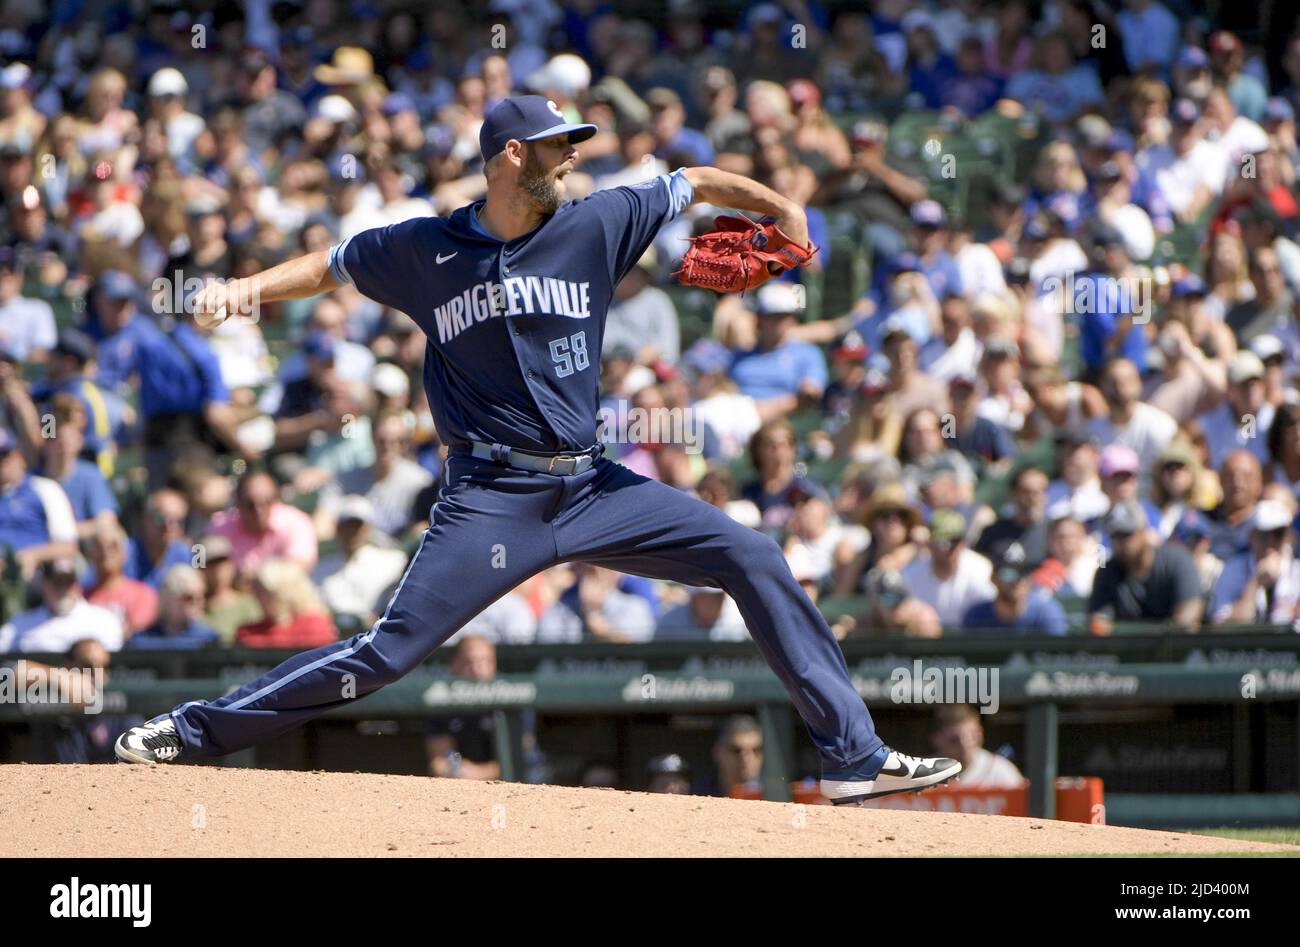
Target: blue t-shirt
1101	301
139	567
515	328
179	373
88	491
1043	615
23	521
117	355
780	371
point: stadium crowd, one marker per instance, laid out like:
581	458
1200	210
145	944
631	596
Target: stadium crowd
1041	404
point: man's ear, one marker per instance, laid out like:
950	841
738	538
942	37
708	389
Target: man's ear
516	152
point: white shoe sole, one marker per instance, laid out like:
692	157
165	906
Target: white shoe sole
847	793
128	755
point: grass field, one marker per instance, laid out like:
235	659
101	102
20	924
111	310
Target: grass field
1289	835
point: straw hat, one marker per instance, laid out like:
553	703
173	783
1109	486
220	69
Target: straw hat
351	66
892	496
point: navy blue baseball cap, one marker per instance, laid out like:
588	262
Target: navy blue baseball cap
1189	285
319	344
526	118
115	284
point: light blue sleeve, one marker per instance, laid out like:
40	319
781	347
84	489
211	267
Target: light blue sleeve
680	192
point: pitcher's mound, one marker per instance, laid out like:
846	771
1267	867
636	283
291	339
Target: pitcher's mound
126	811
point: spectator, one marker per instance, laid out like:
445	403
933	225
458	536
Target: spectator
27	329
891	610
907	387
924	450
36	519
643	317
134	602
1177	485
732	417
63	618
1229	524
392	485
955	351
780	373
1284	449
1189	171
508	620
1150	34
1261	585
1244	417
737	757
957	731
162	543
92	499
1078	489
1005	401
1055	85
668	774
976	436
1016	607
1072	558
1025	522
226	608
1227	56
593	609
356	581
293	615
180	624
777	485
1269	310
465	747
1139	426
262	527
706	615
948	575
1144	580
1120	482
891	519
1196	350
104	414
79	734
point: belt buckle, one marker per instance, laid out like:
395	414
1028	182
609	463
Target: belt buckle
550	468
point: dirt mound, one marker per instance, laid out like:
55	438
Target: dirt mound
83	811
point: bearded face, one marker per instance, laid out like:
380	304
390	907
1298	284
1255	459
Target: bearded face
540	184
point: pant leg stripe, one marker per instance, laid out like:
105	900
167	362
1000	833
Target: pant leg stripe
338	655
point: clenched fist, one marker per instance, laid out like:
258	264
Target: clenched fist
220	299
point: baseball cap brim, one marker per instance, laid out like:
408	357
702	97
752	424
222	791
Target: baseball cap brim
576	131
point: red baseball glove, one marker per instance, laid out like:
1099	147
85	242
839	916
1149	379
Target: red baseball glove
739	255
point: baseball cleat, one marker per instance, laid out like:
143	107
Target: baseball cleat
900	773
154	742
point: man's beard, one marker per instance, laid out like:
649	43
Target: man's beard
537	184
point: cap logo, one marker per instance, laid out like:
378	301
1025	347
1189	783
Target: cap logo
554	108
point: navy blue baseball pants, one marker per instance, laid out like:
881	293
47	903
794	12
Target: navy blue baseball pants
493	527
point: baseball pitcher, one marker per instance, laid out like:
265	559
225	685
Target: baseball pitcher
512	292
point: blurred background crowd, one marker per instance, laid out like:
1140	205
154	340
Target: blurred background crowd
1038	379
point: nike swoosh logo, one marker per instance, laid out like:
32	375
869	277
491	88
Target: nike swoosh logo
443	259
901	770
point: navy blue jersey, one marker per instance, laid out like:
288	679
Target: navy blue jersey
514	328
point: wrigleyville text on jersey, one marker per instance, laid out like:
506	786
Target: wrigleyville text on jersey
513	296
